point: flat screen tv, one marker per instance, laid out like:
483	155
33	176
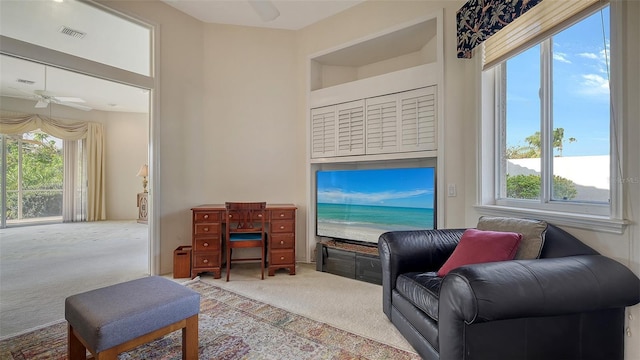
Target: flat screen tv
360	205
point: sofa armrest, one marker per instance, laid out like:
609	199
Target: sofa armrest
531	288
409	251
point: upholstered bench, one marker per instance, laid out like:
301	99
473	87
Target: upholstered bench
118	318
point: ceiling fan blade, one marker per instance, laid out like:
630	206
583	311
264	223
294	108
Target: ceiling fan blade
74	105
69	99
31	95
265	9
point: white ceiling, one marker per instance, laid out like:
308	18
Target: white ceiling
294	14
44	19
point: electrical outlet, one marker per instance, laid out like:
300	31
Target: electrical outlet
451	190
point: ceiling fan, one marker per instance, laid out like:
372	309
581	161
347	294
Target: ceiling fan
44	97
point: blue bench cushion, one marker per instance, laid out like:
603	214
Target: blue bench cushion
113	315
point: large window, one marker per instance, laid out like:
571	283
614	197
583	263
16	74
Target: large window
554	124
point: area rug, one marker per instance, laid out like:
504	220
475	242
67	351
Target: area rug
231	326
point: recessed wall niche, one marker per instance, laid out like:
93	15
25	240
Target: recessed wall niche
404	48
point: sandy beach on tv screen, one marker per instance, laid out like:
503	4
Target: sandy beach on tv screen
351	232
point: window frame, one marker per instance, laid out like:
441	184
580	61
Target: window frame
594	216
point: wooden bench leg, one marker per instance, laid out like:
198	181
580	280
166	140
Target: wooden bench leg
75	348
190	339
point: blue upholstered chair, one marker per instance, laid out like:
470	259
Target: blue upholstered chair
245	229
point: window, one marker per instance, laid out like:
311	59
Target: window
34	171
550	108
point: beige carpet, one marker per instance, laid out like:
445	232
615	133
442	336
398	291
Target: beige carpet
348	304
43	264
39	268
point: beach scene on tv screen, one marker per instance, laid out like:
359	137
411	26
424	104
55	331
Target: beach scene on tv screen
362	204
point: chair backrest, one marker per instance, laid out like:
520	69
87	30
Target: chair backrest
245	217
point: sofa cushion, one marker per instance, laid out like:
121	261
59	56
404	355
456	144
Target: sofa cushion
477	246
422	290
533	233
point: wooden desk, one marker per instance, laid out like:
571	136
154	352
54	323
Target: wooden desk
207	233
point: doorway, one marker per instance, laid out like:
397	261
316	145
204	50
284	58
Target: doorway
42	53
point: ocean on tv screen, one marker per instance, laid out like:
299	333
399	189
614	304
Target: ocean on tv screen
361	204
367	223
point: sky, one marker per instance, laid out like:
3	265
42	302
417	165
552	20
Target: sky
406	187
580	90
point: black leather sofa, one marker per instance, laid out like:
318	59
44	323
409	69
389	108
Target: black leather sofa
567	304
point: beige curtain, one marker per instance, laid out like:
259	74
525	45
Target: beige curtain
13	124
74	201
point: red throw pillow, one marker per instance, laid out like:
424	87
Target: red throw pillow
478	246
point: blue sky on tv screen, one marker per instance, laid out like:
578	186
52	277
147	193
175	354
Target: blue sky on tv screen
406	187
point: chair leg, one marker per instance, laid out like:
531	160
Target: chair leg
262	262
228	261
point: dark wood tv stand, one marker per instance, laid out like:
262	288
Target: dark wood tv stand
360	262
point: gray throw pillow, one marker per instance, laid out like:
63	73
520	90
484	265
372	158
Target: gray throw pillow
533	232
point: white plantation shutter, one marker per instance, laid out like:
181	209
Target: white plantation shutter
350	130
382	124
388	124
418	120
323	132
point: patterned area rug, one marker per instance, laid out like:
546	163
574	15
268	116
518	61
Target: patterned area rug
231	326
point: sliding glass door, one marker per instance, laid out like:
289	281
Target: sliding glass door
32	178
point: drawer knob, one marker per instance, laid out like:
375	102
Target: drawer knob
205	244
205	261
281	227
281	214
259	215
206	216
281	242
230	216
206	229
281	257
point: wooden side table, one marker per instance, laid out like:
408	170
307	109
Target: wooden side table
143	209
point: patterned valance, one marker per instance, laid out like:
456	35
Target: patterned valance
479	19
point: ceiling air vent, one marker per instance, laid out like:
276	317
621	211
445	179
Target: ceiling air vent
24	81
71	32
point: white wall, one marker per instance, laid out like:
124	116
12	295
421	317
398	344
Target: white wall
249	147
126	147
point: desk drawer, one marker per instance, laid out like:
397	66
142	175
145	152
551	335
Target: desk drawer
206	260
282	226
233	216
207	229
282	214
207	243
282	257
206	216
282	241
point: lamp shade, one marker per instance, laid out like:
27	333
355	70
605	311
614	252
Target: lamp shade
144	171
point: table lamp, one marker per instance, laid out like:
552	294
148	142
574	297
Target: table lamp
144	172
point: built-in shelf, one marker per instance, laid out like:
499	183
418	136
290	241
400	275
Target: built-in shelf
398	49
363	96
